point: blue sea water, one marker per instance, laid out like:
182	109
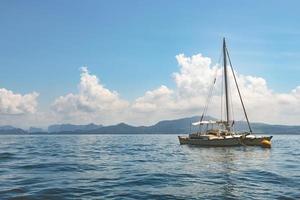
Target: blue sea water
144	167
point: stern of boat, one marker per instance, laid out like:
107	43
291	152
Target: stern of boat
257	141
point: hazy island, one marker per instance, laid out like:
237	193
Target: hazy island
177	126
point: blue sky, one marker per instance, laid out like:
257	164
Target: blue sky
131	45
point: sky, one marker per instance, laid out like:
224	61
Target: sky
143	61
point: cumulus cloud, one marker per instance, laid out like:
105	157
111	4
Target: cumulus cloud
195	75
92	101
193	82
95	103
12	103
160	98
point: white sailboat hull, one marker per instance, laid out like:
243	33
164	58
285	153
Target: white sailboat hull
212	142
224	141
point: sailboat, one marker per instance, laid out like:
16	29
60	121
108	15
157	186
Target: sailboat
220	133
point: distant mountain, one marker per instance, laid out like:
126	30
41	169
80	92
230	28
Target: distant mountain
177	126
11	130
72	128
7	127
267	128
183	126
121	128
275	129
35	130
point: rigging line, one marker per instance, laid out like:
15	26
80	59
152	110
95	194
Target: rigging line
231	105
237	86
222	96
231	123
232	112
205	105
205	108
208	99
210	93
212	88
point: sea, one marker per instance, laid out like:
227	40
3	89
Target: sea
145	167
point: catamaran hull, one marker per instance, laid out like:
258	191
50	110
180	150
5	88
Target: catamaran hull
256	141
224	142
210	143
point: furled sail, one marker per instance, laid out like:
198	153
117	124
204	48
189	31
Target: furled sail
204	122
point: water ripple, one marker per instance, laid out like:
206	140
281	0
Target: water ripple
144	167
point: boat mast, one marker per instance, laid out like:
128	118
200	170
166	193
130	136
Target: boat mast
226	86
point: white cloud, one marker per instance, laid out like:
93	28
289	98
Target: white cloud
93	101
12	103
193	82
195	76
154	100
